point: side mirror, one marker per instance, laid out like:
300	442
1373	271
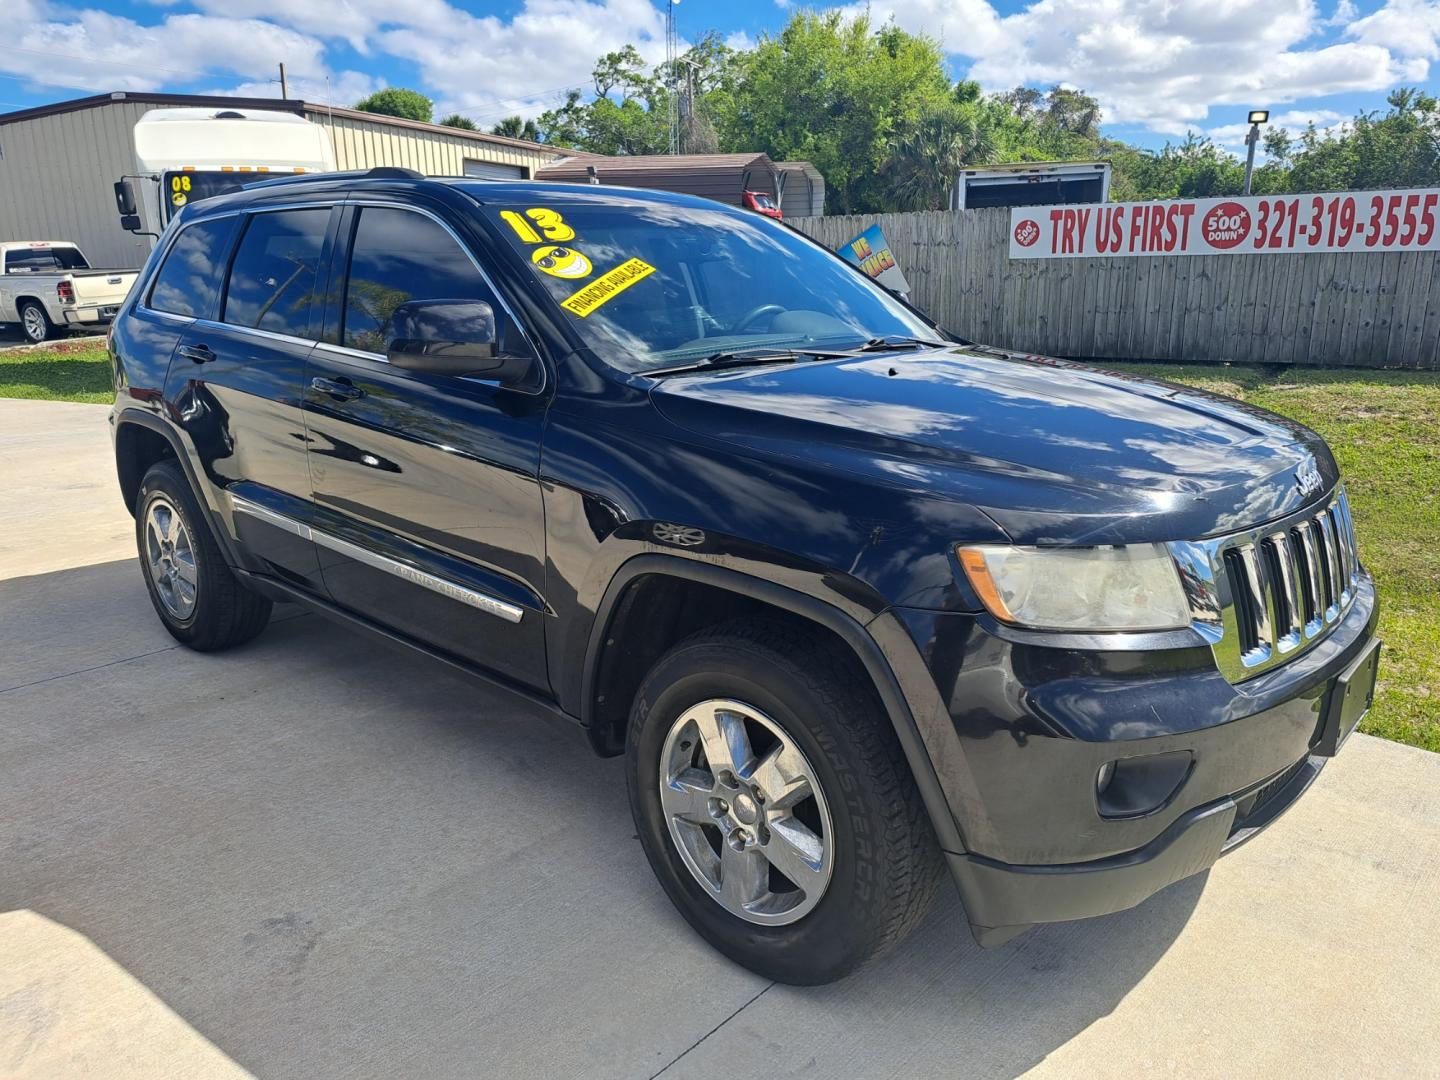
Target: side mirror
125	200
130	222
452	337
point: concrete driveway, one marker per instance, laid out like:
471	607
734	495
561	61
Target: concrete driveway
315	857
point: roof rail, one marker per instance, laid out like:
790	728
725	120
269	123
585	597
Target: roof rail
380	172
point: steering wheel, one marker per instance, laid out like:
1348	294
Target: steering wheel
757	312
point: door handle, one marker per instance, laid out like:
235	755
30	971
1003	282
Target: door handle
339	389
201	354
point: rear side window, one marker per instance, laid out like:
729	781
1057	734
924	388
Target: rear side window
189	279
398	256
273	277
42	259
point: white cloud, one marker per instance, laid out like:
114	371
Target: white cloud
486	67
740	41
1165	63
964	27
122	54
356	21
1409	27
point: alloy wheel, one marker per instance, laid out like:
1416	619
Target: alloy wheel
170	558
745	811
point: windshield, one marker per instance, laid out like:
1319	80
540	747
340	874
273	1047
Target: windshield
653	284
180	189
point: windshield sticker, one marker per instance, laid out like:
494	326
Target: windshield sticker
548	221
606	287
561	262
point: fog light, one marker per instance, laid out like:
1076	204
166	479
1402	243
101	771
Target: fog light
1134	787
1103	778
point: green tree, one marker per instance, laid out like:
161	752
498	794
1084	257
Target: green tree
1397	148
835	91
398	101
455	120
512	127
926	157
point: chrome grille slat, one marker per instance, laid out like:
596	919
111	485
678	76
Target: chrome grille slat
1329	569
1262	596
1314	591
1286	579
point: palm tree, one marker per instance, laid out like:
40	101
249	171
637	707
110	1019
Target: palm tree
927	158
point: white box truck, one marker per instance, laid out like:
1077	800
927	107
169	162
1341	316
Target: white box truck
188	154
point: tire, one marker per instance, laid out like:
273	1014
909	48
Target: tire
198	598
35	324
790	693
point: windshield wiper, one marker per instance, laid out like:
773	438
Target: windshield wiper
748	357
894	342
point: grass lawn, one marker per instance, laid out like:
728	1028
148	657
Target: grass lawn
1384	427
66	370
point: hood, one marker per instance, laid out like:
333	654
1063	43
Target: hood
1052	451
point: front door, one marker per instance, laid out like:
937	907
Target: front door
428	515
237	381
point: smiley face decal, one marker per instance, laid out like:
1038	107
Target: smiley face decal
561	262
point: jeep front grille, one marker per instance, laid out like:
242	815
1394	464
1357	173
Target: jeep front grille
1261	597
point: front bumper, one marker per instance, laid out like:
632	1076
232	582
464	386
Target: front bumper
1020	730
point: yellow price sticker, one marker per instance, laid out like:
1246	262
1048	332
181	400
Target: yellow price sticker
606	287
549	222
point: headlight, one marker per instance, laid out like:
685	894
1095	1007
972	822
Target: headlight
1100	588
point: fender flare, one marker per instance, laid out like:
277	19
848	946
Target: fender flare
852	633
142	418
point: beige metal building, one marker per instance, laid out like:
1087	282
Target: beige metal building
58	162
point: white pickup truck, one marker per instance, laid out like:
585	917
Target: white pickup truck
47	287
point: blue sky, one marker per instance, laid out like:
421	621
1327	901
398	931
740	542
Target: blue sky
1159	67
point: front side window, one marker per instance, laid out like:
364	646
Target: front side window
189	280
273	278
652	282
398	256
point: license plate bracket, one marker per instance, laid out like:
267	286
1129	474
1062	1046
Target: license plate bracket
1350	698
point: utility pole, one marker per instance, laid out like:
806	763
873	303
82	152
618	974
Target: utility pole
284	90
671	50
1256	118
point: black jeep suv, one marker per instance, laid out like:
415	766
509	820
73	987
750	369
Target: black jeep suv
856	599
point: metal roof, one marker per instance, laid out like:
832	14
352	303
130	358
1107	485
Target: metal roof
293	105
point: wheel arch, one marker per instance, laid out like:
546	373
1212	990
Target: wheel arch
613	669
141	440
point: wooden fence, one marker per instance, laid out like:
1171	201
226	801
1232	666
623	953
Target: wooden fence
1328	310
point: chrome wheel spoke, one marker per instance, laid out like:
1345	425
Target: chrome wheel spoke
687	796
744	877
727	746
185	569
782	777
796	852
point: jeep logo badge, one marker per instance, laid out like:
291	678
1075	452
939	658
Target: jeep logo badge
1308	478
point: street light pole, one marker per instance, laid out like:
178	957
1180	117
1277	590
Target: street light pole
1256	118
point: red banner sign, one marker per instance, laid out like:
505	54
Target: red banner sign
1264	224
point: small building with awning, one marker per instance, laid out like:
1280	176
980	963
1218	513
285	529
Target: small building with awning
796	186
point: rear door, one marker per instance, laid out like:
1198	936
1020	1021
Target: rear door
238	379
427	501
